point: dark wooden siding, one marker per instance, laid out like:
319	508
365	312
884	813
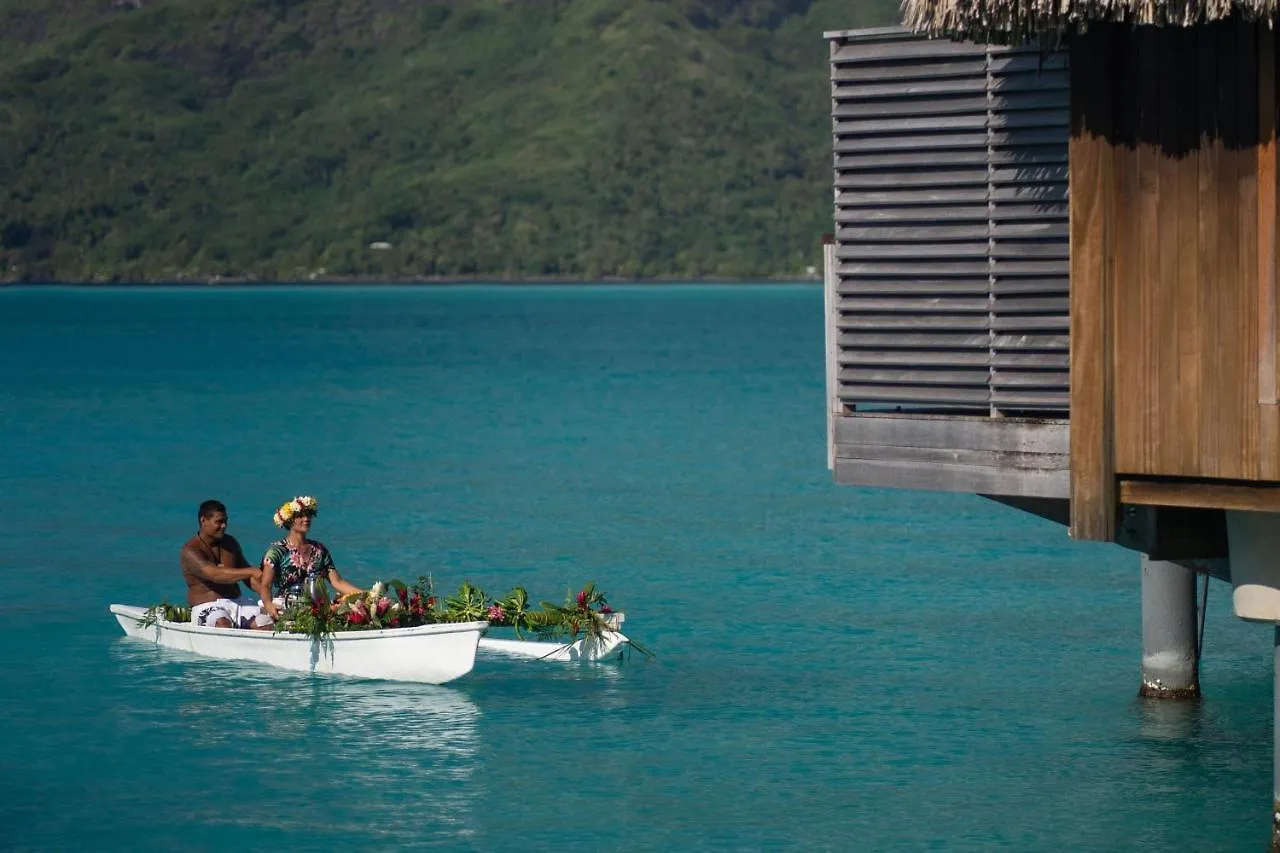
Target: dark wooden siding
1186	277
951	224
1173	303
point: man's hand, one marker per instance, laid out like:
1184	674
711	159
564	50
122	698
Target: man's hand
272	610
253	577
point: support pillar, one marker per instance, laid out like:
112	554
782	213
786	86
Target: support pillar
1275	746
1254	540
1170	659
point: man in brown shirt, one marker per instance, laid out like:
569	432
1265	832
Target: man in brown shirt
213	564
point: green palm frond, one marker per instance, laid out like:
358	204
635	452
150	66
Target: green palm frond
468	605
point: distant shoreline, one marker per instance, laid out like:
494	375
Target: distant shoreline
416	282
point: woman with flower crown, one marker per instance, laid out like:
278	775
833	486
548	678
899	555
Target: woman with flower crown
290	561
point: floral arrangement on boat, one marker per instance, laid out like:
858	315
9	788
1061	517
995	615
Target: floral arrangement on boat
394	604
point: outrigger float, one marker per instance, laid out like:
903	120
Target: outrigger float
606	645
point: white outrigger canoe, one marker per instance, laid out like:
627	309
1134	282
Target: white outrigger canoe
588	648
428	654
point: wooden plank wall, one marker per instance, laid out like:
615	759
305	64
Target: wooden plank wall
1173	306
1186	401
1093	216
951	216
1268	243
953	452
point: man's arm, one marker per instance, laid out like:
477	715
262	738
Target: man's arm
199	565
231	547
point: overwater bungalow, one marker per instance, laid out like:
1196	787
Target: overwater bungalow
1053	282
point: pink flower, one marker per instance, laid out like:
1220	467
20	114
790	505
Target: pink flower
358	615
582	599
305	557
403	595
495	613
383	605
606	609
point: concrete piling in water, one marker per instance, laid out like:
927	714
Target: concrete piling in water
1275	744
1170	657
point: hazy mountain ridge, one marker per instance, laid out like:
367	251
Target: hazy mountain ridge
168	139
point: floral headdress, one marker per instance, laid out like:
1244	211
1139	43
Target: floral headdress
303	504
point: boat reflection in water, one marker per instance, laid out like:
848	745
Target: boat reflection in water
401	752
354	756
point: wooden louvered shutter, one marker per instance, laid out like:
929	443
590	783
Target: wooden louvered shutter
951	224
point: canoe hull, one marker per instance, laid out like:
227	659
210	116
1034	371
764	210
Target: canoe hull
430	654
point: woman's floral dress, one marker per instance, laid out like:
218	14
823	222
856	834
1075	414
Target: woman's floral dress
294	565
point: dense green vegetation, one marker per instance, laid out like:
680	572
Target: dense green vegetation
277	139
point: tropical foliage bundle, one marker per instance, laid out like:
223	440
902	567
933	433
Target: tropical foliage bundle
167	612
586	613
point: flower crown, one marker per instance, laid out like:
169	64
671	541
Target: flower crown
303	504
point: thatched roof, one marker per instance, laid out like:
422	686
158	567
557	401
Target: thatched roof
1016	21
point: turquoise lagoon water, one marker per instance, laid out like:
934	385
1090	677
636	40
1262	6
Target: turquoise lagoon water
837	669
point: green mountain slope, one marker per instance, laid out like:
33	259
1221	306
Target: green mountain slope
278	139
